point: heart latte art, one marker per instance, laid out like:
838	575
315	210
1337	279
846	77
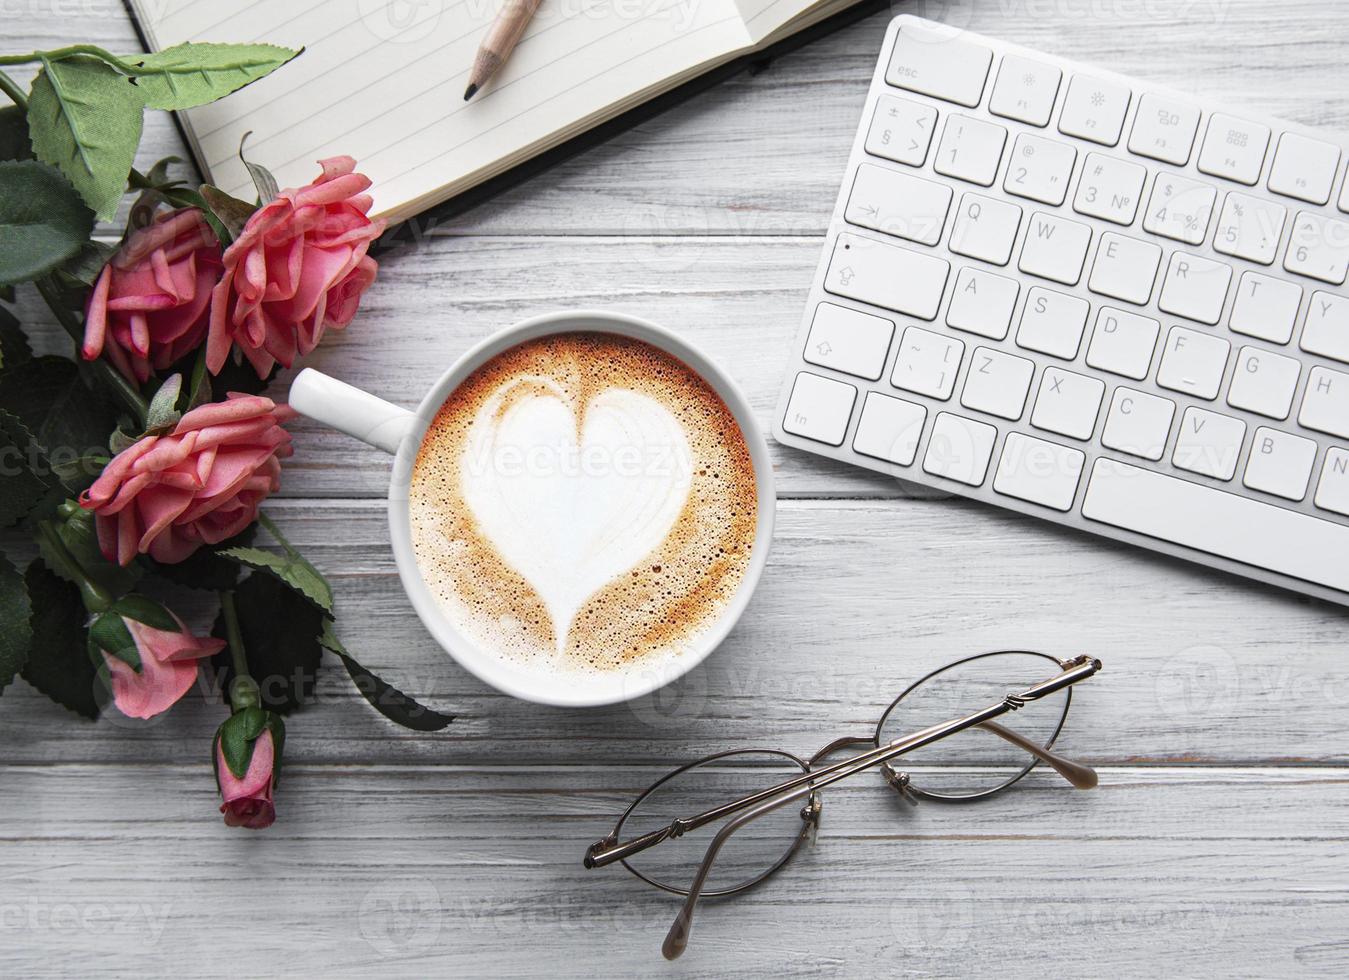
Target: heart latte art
582	501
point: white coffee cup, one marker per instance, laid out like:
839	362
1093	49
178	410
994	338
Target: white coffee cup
400	432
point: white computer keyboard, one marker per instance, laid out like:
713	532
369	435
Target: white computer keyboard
1091	299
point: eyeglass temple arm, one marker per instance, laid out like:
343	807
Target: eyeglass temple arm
1081	776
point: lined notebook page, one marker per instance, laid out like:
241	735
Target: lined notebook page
383	81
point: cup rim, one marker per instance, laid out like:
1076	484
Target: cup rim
640	680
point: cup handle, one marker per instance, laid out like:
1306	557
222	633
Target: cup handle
351	410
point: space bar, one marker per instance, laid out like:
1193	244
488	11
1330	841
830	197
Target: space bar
1218	522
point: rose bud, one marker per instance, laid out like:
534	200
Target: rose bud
151	304
298	267
247	752
202	483
150	655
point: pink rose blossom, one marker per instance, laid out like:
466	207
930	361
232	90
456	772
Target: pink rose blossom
298	267
168	668
168	495
247	802
150	305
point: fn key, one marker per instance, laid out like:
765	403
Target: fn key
819	409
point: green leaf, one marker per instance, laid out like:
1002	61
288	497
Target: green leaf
237	735
291	567
24	472
84	117
229	211
67	417
14	348
280	631
16	632
109	634
204	568
58	662
163	413
43	222
383	696
263	181
86	265
14	143
76	528
188	75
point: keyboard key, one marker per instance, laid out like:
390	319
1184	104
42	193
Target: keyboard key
1249	228
1067	403
1195	287
982	303
927	363
1326	329
1280	463
1038	471
1265	307
1125	268
901	130
1193	362
1025	90
1052	323
1304	168
1180	208
1055	248
1318	247
1264	383
1123	343
1209	443
1233	148
959	449
1040	169
889	428
1325	404
849	341
1164	129
1094	109
898	204
888	276
985	229
819	408
937	62
1138	423
1332	489
970	149
1109	188
997	383
1218	522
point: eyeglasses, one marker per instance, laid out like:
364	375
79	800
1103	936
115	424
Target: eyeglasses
745	841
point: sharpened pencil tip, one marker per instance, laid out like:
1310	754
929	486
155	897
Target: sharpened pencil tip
468	92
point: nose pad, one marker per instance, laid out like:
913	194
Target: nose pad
810	813
900	782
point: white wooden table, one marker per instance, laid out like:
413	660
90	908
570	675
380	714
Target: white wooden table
1216	842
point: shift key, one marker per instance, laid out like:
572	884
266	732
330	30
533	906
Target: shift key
887	276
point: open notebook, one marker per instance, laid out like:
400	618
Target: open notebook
383	81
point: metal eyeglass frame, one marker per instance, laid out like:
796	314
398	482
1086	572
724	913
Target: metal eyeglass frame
806	786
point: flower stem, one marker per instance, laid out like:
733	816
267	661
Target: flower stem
243	691
90	49
11	88
96	599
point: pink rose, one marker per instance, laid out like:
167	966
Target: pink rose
168	664
150	305
168	495
247	801
298	267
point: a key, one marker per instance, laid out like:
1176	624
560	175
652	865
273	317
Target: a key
1326	329
1249	228
1332	487
1109	188
1038	471
1025	90
1325	403
1304	168
1263	382
1067	403
1193	362
1280	463
1125	268
888	276
1209	443
1180	208
1055	248
959	449
1094	109
1052	323
982	303
997	383
1265	307
819	408
936	61
889	428
985	229
1138	423
1233	148
901	130
1123	343
849	341
1040	169
1319	248
927	363
898	204
970	149
1195	287
1164	129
